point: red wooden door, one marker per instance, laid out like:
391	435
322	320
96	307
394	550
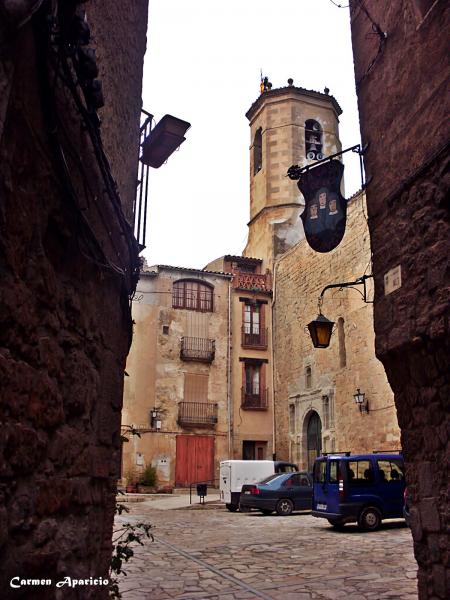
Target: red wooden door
194	460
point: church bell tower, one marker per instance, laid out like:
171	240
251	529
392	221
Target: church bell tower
288	125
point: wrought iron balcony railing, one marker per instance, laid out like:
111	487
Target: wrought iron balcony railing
197	414
254	340
200	349
251	401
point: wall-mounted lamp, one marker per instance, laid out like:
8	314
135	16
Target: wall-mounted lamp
155	147
163	140
155	421
321	329
360	399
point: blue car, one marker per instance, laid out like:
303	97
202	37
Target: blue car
282	493
363	488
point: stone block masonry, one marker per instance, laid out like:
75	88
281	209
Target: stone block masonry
65	325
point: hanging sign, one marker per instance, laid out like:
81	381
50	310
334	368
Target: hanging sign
325	213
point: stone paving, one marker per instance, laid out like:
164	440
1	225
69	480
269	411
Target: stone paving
205	554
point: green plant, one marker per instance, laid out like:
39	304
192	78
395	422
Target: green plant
123	539
148	477
131	476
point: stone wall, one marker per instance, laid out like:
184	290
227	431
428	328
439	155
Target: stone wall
65	323
409	226
300	276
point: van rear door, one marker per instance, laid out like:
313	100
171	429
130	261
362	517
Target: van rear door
319	485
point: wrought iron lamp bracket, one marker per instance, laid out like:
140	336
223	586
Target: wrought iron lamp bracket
347	284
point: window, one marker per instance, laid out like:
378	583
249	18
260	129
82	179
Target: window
192	295
313	140
165	329
334	471
252	379
257	152
252	313
359	472
292	418
326	411
195	387
320	468
308	378
341	336
391	470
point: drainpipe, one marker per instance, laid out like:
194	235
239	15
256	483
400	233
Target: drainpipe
229	372
274	447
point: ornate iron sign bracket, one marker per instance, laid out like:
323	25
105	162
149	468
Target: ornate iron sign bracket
295	172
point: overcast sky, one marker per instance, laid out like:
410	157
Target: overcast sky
203	65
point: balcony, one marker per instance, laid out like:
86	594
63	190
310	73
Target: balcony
257	282
197	414
254	340
198	349
254	401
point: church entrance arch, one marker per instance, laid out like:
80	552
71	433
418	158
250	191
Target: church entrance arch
313	438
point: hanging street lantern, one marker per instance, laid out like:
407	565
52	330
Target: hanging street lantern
320	331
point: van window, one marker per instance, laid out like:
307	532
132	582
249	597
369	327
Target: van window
286	469
391	469
334	471
359	472
319	471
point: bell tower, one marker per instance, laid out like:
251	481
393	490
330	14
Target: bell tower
288	125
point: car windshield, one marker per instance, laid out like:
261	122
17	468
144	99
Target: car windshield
272	479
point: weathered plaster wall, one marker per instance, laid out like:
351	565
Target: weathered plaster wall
64	319
300	277
404	108
156	371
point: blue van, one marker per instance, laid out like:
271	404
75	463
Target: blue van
362	488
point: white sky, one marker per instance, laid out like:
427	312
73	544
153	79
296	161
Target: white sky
203	65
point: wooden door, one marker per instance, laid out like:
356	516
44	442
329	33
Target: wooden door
194	459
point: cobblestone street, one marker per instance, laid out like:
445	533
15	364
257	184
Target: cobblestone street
209	553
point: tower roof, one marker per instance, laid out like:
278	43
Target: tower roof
294	90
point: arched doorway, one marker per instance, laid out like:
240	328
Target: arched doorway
313	438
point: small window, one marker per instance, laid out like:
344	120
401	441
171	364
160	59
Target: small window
292	418
257	152
334	471
165	329
341	336
326	411
319	471
313	140
308	378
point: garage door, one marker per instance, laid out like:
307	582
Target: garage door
195	459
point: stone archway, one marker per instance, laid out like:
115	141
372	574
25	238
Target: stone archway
313	438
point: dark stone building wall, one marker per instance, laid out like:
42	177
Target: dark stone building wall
67	268
402	87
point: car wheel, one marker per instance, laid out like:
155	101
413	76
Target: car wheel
284	507
336	523
231	507
244	509
369	518
266	511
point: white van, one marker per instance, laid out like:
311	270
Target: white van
235	473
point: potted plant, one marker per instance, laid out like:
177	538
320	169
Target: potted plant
131	480
148	479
